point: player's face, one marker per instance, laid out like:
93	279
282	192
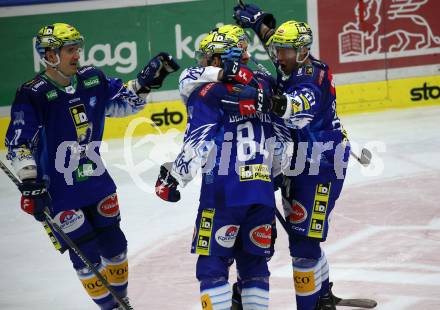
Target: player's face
203	61
286	58
69	59
245	56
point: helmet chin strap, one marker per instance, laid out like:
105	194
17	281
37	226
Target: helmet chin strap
54	65
300	61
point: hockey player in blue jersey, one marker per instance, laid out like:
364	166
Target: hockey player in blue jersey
57	123
236	209
306	99
231	71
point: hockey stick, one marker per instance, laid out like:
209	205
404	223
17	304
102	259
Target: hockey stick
46	226
242	5
281	220
86	261
343	302
69	242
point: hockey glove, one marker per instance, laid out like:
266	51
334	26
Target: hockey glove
279	104
153	75
166	184
285	184
281	181
35	198
246	100
234	72
251	16
232	54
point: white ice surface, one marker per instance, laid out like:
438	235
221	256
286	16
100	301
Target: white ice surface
34	276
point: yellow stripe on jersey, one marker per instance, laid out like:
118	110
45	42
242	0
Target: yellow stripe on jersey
306	102
204	234
320	204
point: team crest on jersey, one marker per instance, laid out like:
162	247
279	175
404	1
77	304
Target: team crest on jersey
92	101
81	122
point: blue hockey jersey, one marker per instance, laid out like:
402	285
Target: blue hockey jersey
311	113
236	153
61	129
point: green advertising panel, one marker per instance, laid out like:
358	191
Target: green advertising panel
120	41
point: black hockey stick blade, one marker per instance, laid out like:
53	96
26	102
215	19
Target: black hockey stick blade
241	3
357	303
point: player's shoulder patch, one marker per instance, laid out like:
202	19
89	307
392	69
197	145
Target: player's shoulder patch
321	70
319	64
30	82
87	70
34	90
36	85
308	70
305	70
89	76
304	74
320	76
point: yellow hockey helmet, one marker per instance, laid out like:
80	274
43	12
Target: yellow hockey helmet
215	43
233	30
292	34
56	36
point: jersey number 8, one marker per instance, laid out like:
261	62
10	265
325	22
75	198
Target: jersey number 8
247	146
